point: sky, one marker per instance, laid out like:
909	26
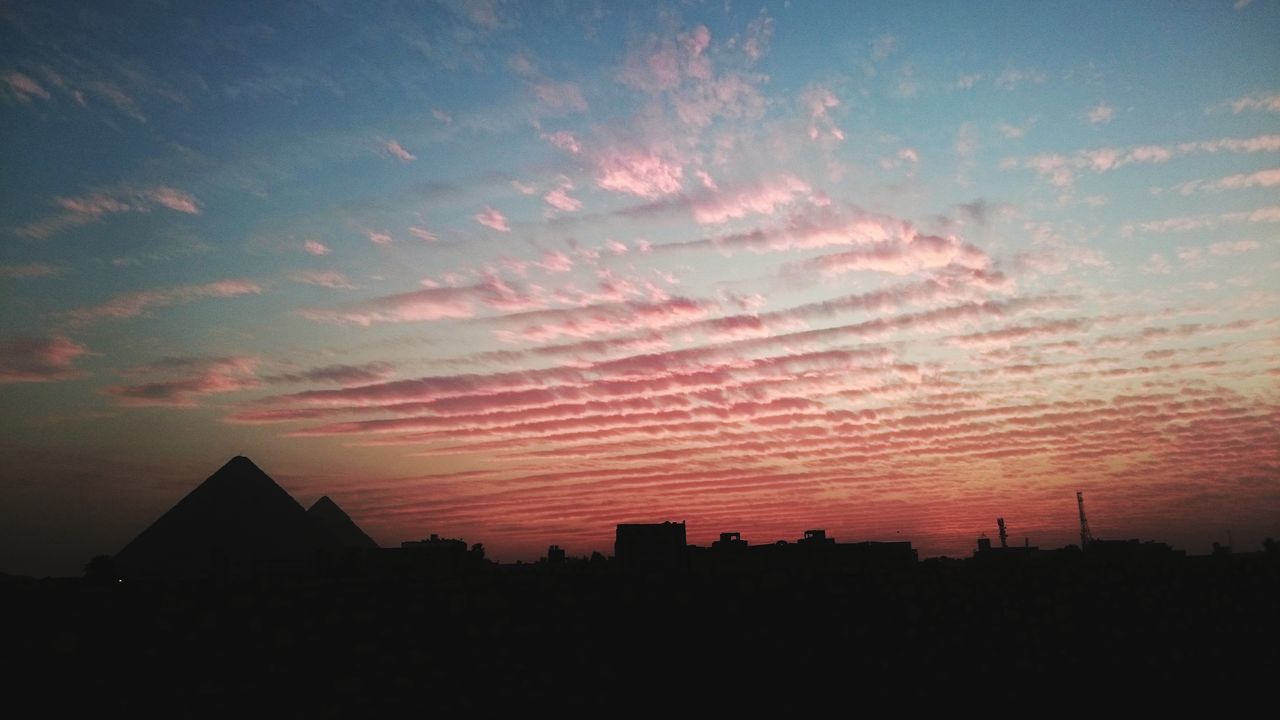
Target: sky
519	272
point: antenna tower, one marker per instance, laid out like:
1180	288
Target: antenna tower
1085	536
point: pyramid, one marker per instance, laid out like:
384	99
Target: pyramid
326	515
237	522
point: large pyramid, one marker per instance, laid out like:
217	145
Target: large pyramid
237	522
331	519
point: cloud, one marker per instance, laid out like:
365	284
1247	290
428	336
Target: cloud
344	375
560	96
566	141
95	206
642	174
605	318
762	198
817	102
967	140
174	199
423	234
1261	178
396	150
29	270
442	116
35	359
560	199
1188	223
331	279
1100	114
206	376
1227	248
492	219
24	88
1059	168
378	238
132	304
1013	77
1012	132
1155	265
916	254
1267	101
315	247
417	305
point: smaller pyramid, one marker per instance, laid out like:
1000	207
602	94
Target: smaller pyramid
333	521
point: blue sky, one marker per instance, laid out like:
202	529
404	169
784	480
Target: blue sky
519	272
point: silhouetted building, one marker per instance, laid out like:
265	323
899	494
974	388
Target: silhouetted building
442	556
817	537
656	545
555	555
729	541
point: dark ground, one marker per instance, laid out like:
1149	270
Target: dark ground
586	637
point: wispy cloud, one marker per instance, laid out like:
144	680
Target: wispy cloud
132	304
329	279
28	270
493	219
93	207
1100	114
39	359
1261	178
397	151
201	377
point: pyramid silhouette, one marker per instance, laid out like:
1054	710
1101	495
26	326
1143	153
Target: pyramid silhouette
237	522
332	520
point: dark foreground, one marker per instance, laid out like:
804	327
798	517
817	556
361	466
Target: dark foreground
588	637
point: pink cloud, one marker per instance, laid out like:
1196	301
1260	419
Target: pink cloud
24	88
315	247
492	219
378	238
424	234
344	375
1058	168
133	304
418	305
918	253
397	151
96	205
175	200
762	198
331	279
818	101
606	318
645	175
29	270
31	359
555	262
560	199
565	141
213	375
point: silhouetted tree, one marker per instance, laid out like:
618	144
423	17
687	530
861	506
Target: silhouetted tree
101	571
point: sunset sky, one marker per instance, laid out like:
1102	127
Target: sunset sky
518	272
